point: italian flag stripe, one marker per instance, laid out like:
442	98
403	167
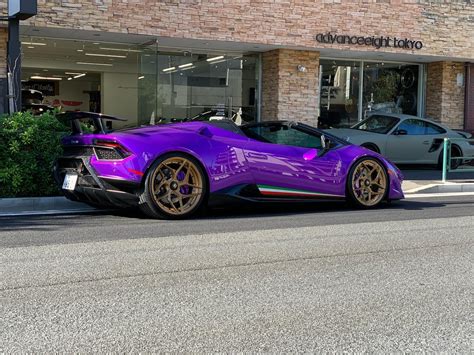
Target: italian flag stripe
285	191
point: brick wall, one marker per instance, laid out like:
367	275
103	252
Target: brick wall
444	98
3	52
286	92
445	27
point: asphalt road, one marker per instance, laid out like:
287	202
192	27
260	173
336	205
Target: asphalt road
286	279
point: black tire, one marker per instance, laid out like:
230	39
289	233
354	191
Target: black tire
371	146
153	206
356	198
455	152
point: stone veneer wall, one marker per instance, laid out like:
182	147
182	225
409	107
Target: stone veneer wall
445	26
3	39
3	52
286	92
444	98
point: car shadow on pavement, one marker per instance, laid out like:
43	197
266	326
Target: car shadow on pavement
238	211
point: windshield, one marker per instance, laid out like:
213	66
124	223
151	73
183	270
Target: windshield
377	124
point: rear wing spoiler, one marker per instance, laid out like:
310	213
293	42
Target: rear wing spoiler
97	119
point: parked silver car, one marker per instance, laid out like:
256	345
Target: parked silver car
406	139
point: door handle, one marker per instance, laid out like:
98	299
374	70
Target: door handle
426	142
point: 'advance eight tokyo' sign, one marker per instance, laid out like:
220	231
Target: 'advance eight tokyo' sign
374	41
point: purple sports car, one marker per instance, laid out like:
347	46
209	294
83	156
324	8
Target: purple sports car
172	170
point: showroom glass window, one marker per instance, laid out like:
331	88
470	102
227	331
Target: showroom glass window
390	87
352	90
189	85
339	93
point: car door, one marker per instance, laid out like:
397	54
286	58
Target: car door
408	143
286	164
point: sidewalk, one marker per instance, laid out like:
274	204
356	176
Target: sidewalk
417	181
29	206
429	180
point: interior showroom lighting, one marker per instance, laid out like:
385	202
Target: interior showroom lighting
141	77
80	75
169	69
71	73
215	58
185	65
120	49
101	64
105	55
34	43
37	77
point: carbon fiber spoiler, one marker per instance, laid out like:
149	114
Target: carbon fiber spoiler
97	119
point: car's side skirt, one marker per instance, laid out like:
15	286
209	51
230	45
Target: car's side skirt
268	190
268	193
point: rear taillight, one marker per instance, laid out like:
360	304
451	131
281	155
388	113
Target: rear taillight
110	150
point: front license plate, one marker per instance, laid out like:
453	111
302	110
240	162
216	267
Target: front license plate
70	182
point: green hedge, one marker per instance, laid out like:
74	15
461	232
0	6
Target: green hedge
28	147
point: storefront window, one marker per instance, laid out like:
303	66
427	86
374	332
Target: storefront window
190	85
143	84
390	88
339	93
348	96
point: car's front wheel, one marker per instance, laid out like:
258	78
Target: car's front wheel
367	183
175	187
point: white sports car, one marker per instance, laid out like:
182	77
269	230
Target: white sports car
407	139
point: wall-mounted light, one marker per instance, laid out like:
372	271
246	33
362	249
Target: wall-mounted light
460	79
301	68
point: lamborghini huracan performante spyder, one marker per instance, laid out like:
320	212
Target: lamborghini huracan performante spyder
172	170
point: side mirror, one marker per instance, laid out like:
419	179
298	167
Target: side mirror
310	154
400	132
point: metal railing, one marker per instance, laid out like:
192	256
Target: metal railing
447	158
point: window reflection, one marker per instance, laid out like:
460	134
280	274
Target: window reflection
205	86
339	93
391	88
386	87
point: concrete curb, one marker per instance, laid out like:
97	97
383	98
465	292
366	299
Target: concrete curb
31	206
448	187
26	206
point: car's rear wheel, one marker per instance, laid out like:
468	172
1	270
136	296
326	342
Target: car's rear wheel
455	163
175	187
367	183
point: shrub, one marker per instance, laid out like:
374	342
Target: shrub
28	147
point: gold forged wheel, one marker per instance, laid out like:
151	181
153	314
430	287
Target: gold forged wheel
368	182
176	187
